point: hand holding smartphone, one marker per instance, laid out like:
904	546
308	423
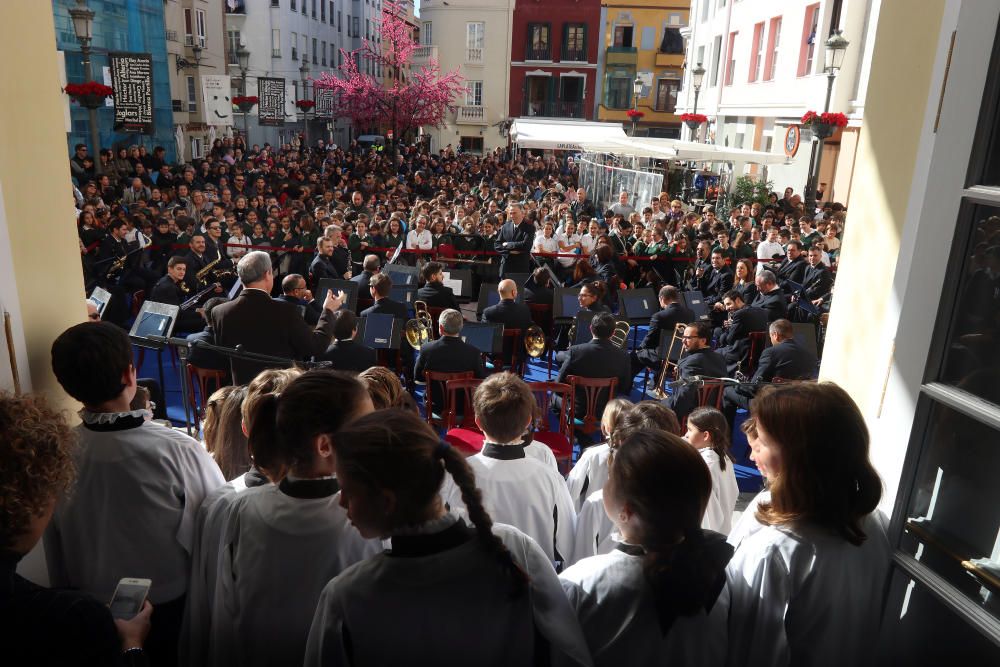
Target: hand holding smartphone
129	597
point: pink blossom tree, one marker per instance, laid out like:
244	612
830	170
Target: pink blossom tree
422	98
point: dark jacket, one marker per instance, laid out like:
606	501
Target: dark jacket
312	311
203	358
510	314
511	238
704	362
792	270
349	355
387	306
322	267
816	282
599	358
535	294
266	326
363	280
773	302
448	354
787	360
663	323
715	283
437	295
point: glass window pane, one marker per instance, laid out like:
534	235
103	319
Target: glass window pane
952	521
973	340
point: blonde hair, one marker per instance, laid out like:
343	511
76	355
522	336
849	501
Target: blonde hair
612	414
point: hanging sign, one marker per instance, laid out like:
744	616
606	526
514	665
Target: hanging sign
271	102
132	79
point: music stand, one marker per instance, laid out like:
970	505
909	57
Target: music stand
100	297
518	278
638	305
152	327
402	274
404	294
805	335
553	278
348	287
460	282
565	303
380	331
695	302
487	337
235	289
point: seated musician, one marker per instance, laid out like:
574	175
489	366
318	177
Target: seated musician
322	266
449	353
785	359
733	336
434	292
661	328
509	313
591	300
817	283
538	289
699	360
793	268
172	289
770	296
370	266
380	287
196	260
346	353
295	292
200	356
716	281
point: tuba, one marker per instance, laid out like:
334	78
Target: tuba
420	329
534	341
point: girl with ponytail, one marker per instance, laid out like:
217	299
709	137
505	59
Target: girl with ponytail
283	542
660	596
708	432
446	592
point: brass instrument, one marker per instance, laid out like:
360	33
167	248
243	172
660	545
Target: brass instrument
420	329
534	341
667	363
116	266
620	335
207	269
183	287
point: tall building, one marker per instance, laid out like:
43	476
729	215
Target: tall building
640	39
474	37
764	69
135	26
553	58
196	45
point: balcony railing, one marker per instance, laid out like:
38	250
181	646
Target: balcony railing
473	55
171	35
543	53
621	55
471	115
574	55
275	53
554	108
424	53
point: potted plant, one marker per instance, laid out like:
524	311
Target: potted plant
634	114
823	124
245	102
694	120
304	105
90	94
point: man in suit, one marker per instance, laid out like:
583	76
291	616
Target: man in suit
434	292
509	313
538	289
266	326
295	292
792	268
370	266
168	290
598	358
448	354
514	242
661	330
322	266
346	353
770	297
717	280
734	335
199	356
379	288
785	359
196	260
699	360
583	206
817	280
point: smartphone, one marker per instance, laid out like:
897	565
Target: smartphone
129	597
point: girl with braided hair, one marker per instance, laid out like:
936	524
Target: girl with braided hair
445	593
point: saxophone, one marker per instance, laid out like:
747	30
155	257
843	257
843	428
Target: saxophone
207	269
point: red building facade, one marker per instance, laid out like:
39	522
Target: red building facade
553	59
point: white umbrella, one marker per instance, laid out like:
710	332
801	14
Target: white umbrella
179	137
211	136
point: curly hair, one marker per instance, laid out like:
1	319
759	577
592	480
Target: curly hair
36	461
383	386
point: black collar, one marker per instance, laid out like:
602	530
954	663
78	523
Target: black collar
503	452
123	423
309	489
413	546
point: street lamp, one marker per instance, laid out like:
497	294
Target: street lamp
833	60
304	74
243	59
83	26
697	76
636	91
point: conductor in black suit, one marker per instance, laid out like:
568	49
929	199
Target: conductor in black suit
347	353
770	297
514	242
699	360
434	292
717	280
785	359
448	354
661	330
734	336
260	324
598	358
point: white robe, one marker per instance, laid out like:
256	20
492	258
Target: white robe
541	452
524	493
593	529
802	595
131	512
589	474
618	617
278	554
725	491
447	608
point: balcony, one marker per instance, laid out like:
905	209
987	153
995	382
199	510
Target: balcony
171	35
621	55
423	54
574	55
471	116
474	55
553	109
542	53
669	59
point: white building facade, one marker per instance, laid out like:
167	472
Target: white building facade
764	69
472	36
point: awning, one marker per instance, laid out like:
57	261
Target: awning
674	149
561	135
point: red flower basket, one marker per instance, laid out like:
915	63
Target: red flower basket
90	94
634	114
305	105
694	118
245	99
826	118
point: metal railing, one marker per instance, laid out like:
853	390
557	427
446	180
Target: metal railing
473	55
425	52
275	53
544	53
574	55
553	108
170	35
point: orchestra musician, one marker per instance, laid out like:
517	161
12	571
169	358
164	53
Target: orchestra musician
172	289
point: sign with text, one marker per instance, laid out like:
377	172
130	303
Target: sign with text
132	79
324	103
271	101
215	91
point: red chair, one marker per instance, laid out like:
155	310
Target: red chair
559	441
710	394
593	389
437	416
435	313
462	431
757	341
199	378
512	342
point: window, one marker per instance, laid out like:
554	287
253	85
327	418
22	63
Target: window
475	35
705	4
623	35
368	29
331	13
427	33
295	46
730	58
340	24
295	90
773	38
233	37
188	28
305	48
808	49
716	55
293	4
305	10
275	43
757	51
666	94
619	95
574	42
322	11
315	55
322	52
356	25
313	8
472	144
192	104
538	42
473	93
673	42
276	3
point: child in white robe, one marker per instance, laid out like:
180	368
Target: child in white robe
660	597
708	432
591	469
812	555
283	542
447	592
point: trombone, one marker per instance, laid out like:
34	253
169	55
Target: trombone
420	329
667	363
